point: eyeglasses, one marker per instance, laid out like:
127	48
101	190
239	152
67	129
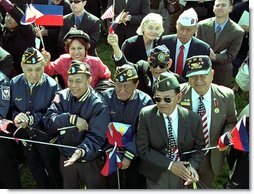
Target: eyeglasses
76	2
161	65
166	99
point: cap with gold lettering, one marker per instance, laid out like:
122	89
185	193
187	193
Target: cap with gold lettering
125	73
160	55
78	67
167	81
198	65
32	56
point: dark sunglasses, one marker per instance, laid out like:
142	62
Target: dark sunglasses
76	2
161	65
166	99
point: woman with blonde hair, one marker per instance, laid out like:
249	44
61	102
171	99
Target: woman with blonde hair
148	36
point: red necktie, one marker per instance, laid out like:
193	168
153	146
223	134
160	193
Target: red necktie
179	67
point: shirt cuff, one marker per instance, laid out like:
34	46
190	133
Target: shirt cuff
117	58
169	167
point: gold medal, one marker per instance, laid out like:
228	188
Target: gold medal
216	110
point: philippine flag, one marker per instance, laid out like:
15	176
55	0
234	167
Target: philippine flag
31	14
52	15
118	135
113	161
240	135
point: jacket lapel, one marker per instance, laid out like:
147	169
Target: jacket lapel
161	125
217	109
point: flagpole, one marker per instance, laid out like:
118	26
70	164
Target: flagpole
39	32
113	5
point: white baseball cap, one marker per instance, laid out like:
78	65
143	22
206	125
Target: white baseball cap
188	18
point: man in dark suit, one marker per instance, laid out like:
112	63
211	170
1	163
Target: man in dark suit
134	11
165	132
219	105
81	20
225	38
186	27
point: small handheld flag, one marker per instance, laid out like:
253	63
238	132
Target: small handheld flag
108	14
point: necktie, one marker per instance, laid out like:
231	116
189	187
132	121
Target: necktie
173	149
179	67
203	114
154	86
77	23
217	32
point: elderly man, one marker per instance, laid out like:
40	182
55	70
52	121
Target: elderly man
166	133
182	44
216	106
225	38
80	119
125	102
31	95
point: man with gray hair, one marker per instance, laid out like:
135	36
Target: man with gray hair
183	44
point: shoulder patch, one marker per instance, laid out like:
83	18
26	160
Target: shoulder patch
5	92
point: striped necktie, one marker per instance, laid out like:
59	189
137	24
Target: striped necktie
202	112
173	153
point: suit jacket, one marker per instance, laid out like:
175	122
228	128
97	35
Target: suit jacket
134	48
221	122
137	9
6	63
90	24
197	47
226	47
152	140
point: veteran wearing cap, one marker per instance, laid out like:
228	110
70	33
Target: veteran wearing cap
218	102
80	119
31	95
76	46
183	44
165	131
125	102
159	61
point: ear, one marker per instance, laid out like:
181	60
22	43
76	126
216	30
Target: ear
136	84
169	63
179	97
22	66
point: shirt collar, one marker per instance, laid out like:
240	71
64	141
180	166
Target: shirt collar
173	115
206	97
221	25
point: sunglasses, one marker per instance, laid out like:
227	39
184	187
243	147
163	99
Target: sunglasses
166	99
76	2
161	65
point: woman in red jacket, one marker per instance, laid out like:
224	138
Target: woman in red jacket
77	45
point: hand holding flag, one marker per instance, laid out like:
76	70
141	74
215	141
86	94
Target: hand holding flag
116	22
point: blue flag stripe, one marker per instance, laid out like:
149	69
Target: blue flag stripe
49	9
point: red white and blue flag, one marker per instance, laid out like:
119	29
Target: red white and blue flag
115	23
118	135
108	14
239	136
31	14
44	15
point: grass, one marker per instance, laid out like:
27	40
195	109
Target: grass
105	53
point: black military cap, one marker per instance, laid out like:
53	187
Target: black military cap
159	55
78	67
198	65
77	34
167	81
125	73
32	56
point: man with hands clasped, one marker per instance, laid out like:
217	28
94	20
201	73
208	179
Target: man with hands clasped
166	131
